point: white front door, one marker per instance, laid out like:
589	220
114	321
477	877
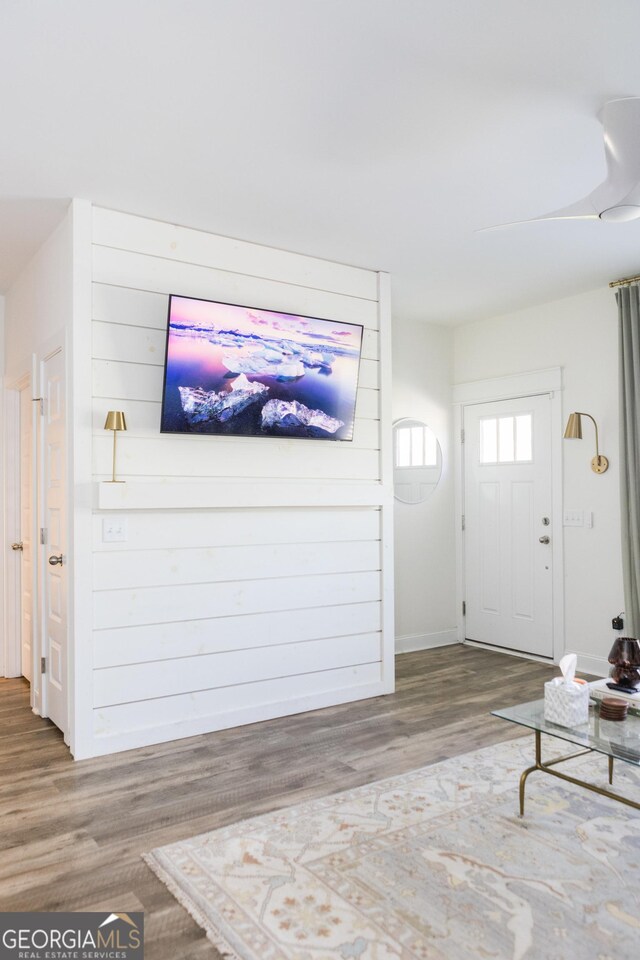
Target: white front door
53	559
507	524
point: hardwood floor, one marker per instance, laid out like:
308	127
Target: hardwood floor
72	833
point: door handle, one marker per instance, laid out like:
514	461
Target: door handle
542	540
17	546
54	561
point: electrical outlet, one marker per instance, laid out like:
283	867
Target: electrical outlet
114	529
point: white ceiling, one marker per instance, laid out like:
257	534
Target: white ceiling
382	133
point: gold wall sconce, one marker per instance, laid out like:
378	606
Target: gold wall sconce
573	431
115	421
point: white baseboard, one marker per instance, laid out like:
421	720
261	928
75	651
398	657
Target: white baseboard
598	665
426	641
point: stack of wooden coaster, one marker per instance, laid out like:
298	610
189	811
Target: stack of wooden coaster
613	708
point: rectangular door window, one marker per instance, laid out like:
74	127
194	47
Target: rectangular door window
506	439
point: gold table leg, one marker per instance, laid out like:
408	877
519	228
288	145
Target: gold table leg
537	765
544	767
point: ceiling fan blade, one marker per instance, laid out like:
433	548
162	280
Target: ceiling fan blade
581	210
621	123
619	194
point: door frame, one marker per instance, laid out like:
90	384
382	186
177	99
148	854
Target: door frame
11	469
536	382
12	529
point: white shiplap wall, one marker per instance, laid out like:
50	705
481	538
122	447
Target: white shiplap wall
226	605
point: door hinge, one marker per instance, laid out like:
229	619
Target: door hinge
462	435
43	664
464	608
43	535
40	402
464	522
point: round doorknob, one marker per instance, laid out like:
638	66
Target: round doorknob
54	561
17	546
542	540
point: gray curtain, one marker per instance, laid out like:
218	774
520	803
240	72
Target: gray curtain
628	299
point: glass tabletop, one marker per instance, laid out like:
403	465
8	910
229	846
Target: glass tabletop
615	738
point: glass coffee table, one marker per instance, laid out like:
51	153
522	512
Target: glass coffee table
616	739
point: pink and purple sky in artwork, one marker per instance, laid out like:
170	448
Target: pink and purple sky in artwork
207	315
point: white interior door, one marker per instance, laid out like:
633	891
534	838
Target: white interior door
27	524
53	578
507	524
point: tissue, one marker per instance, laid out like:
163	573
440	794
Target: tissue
566	702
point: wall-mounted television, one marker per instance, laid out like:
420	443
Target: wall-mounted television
231	369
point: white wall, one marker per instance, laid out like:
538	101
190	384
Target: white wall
255	580
39	302
424	533
580	335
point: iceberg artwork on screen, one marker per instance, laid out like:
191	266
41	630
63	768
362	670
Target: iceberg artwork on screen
245	371
200	406
290	413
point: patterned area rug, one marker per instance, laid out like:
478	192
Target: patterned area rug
431	865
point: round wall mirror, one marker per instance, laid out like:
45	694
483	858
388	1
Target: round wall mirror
417	461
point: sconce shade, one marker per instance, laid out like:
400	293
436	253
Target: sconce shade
574	427
115	420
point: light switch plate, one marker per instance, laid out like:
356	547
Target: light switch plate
114	529
573	518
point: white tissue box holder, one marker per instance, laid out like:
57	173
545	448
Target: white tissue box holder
566	704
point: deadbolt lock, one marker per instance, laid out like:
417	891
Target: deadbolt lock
545	521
